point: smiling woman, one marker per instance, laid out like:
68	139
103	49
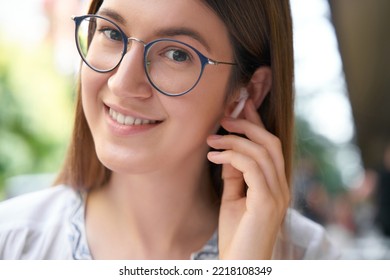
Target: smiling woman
157	168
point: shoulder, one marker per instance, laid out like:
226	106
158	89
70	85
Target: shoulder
36	205
308	239
34	224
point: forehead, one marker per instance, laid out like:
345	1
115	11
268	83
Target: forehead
146	18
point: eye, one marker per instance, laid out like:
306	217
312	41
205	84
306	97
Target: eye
112	34
178	55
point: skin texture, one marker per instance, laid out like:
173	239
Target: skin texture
159	202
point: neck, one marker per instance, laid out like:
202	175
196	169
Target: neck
171	212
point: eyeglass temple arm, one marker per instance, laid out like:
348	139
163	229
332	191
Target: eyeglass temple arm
214	62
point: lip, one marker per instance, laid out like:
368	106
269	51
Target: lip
124	130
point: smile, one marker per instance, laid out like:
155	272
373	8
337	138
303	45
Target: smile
128	120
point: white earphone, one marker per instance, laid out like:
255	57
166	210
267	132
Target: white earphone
244	95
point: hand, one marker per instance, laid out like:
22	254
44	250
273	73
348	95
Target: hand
256	193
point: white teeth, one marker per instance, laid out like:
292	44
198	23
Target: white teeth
127	120
120	119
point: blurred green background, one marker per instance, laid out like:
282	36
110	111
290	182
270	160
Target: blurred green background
38	63
36	110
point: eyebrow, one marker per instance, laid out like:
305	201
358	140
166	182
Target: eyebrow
111	14
164	32
183	31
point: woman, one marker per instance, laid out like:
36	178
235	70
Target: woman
157	167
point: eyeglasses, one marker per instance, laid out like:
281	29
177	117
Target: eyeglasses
172	67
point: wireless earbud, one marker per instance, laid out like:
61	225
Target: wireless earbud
244	95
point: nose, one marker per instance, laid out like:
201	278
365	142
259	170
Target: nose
129	78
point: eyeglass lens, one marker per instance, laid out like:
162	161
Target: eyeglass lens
171	66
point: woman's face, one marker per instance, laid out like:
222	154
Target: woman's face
174	129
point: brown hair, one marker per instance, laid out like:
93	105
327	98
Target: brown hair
261	34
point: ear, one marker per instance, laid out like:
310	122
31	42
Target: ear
260	85
258	88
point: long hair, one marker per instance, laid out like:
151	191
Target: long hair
261	34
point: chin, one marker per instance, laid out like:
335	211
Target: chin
123	163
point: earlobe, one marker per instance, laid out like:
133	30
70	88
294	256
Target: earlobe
260	85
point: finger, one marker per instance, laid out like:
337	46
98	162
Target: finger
233	188
256	133
258	193
257	153
260	136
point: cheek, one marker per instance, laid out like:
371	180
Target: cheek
91	84
91	81
213	89
202	108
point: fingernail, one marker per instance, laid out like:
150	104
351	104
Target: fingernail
215	137
213	154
